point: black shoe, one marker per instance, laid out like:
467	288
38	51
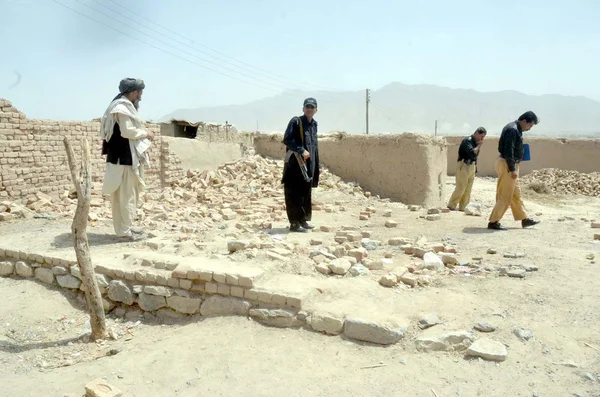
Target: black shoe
295	227
529	222
496	226
306	225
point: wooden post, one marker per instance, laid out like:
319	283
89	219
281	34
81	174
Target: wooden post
80	240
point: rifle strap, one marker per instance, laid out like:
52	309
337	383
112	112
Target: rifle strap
301	131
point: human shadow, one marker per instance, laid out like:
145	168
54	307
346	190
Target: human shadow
9	347
65	240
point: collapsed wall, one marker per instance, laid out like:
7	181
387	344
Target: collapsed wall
33	157
409	168
581	155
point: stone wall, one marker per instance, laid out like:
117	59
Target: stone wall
581	155
409	168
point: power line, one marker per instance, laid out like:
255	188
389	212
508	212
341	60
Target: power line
295	82
163	50
179	41
184	51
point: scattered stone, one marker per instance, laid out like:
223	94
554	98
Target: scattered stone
597	236
369	244
224	306
359	270
429	320
391	224
595	225
410	279
488	349
387	213
474	209
492	251
389	280
523	334
590	257
340	266
237	245
514	255
449	341
384	333
6	269
68	281
398	241
516	272
414	208
484	327
118	291
99	388
450	260
327	323
436	217
280	318
433	262
433	211
44	275
323	268
150	303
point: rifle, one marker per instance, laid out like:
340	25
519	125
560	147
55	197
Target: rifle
299	158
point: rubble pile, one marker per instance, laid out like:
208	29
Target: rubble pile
554	180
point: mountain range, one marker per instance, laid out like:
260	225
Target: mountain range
399	107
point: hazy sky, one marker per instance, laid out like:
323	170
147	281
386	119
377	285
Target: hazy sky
70	66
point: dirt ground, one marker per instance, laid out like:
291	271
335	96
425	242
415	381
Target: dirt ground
42	352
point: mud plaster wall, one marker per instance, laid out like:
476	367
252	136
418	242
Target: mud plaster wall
33	157
581	155
409	168
207	151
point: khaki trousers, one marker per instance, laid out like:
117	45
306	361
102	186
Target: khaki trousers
508	194
123	186
465	175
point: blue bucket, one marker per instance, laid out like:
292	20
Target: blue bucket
526	152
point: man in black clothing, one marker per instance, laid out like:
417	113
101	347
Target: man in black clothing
466	169
302	150
508	191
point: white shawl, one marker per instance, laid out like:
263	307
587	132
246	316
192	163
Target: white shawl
139	148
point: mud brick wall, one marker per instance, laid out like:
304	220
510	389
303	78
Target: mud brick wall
33	157
581	155
409	168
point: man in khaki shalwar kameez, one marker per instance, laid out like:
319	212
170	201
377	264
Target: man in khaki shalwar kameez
125	144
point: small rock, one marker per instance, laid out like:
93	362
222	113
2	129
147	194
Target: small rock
516	272
488	349
99	388
433	211
391	224
369	244
385	332
359	270
523	334
436	217
449	260
590	257
280	318
340	266
473	209
327	323
237	245
588	376
389	280
449	341
429	320
323	268
484	327
432	262
492	251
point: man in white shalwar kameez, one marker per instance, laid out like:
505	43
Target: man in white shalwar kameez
125	144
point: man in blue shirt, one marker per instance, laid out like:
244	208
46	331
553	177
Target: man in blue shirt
302	149
508	191
466	169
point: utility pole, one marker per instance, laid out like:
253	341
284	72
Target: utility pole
368	99
435	133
